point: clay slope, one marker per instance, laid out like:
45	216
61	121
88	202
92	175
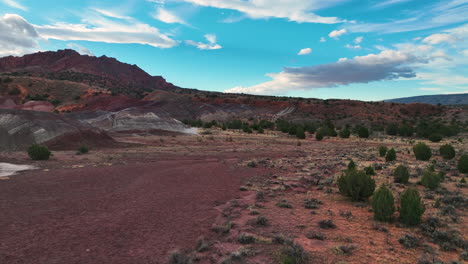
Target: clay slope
19	129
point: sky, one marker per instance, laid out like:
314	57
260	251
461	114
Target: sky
347	49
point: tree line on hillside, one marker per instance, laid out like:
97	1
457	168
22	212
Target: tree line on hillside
434	130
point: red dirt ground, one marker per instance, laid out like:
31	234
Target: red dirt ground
134	213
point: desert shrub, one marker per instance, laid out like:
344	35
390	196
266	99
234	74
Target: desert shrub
409	241
83	150
261	221
315	235
246	238
177	257
391	155
422	151
345	249
283	204
435	137
383	204
411	207
401	174
260	195
430	179
369	170
326	224
356	184
363	132
223	229
463	164
351	165
447	151
294	254
38	152
300	133
383	151
312	203
281	239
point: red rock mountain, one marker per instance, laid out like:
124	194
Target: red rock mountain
70	65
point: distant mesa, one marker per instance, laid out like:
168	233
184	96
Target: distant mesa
443	99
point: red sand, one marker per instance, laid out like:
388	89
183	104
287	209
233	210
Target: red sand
132	213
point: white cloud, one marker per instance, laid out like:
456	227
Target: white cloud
305	51
433	15
111	14
95	27
430	89
17	36
358	40
386	65
211	45
353	46
322	39
80	49
15	4
300	11
166	16
337	33
386	3
439	38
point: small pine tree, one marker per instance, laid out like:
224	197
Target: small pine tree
447	152
401	174
411	207
351	165
319	135
391	155
430	179
300	133
38	152
422	151
345	133
363	132
369	170
383	151
435	137
463	164
383	204
356	184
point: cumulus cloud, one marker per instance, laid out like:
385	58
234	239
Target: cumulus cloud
322	39
358	40
305	51
166	16
337	33
386	65
211	45
15	4
300	11
439	38
17	36
80	49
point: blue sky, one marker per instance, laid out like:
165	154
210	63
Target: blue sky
357	49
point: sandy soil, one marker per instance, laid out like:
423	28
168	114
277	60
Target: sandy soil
138	203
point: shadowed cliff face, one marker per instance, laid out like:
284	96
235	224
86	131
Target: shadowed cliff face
70	65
